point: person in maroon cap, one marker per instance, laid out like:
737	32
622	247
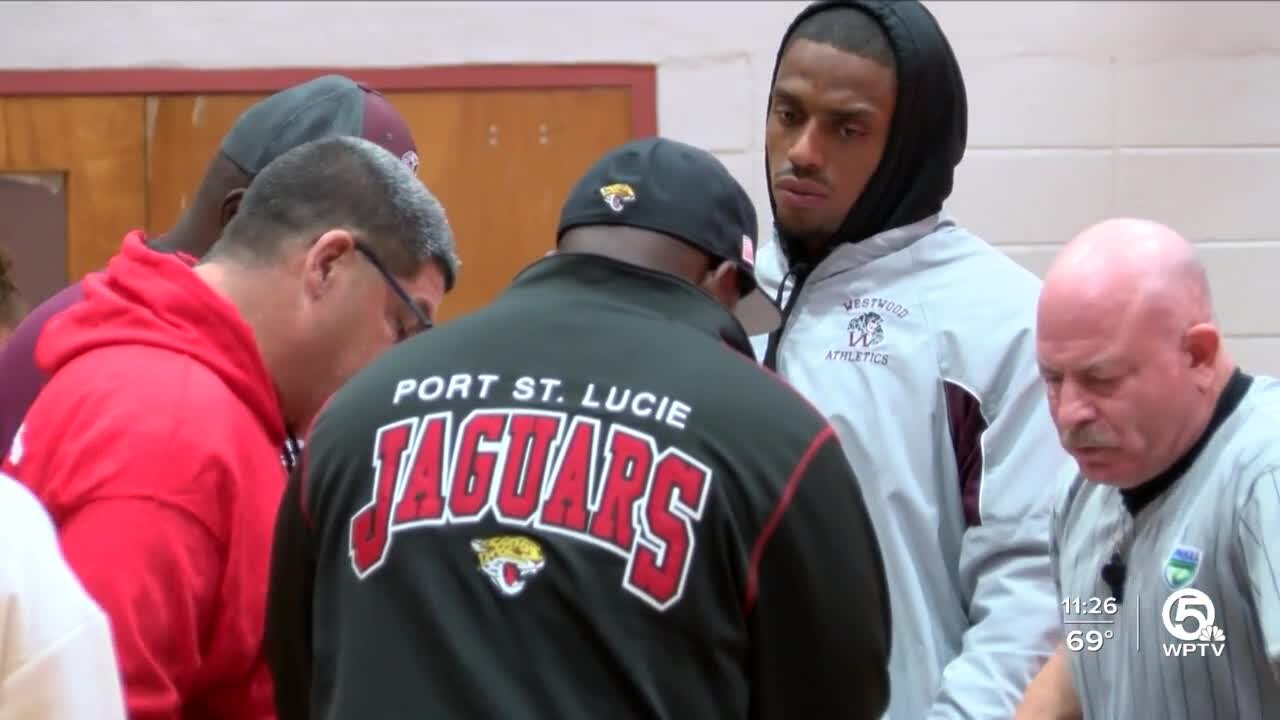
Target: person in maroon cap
328	106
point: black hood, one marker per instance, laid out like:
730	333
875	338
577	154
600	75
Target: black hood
928	132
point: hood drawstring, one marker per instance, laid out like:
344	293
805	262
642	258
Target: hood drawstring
798	272
292	451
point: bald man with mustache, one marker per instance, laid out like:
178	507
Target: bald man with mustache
1164	544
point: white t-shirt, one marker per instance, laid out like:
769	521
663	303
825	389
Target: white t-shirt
56	656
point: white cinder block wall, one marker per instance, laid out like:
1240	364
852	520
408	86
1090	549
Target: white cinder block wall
1078	110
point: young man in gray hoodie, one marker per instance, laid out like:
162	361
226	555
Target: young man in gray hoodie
914	338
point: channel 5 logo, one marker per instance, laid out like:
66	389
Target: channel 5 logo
1188	615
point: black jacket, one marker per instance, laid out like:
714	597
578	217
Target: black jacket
583	501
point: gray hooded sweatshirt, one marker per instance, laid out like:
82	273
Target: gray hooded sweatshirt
915	339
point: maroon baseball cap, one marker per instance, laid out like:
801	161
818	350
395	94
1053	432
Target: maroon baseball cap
328	106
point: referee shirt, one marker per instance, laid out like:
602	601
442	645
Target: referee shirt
1184	623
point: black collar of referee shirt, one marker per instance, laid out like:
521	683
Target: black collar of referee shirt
1139	497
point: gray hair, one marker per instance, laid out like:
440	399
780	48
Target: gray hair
342	182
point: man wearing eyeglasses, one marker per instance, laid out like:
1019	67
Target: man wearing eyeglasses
326	106
155	443
1164	546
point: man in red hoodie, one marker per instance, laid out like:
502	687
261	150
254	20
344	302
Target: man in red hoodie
156	444
326	106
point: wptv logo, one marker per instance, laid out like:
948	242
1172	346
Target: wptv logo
1188	615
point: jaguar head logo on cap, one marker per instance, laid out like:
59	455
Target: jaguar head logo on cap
617	195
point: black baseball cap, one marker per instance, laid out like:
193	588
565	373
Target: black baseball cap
679	190
324	107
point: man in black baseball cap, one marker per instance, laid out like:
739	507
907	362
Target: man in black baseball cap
590	490
672	191
327	106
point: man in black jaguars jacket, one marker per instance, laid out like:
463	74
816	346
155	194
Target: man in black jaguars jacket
585	500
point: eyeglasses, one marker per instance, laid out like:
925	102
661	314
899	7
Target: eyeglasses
396	288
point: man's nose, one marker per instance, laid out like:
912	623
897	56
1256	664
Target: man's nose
806	152
1075	407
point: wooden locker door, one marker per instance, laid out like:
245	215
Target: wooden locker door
96	145
501	162
185	132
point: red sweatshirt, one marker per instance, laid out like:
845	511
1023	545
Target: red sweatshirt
156	448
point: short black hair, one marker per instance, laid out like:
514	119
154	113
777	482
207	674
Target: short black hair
848	29
341	182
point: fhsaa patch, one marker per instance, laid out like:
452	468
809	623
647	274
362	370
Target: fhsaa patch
1181	567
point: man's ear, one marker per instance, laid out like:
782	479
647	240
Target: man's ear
230	205
1202	343
722	283
323	258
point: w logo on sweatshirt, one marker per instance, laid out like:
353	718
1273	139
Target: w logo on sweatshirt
866	330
